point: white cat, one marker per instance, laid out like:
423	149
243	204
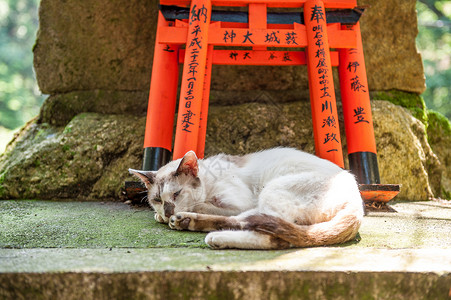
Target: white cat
274	199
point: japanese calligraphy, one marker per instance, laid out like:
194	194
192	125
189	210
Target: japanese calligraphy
286	56
229	36
272	37
195	42
322	71
193	64
326	105
168	49
186	123
352	65
320	53
234	55
317	13
330	122
290	38
193	53
192	70
197	14
247	38
356	86
321	63
271	56
359	112
196	30
330	137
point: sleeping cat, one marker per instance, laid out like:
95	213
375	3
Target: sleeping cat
274	199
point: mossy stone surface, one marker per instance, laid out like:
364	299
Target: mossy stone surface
88	158
412	101
95	250
46	224
439	137
28	224
48	162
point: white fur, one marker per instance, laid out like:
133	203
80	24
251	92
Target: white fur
282	182
238	239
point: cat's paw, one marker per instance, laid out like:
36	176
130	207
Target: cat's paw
216	240
181	221
158	218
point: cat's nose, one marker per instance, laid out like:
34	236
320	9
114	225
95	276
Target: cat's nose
168	209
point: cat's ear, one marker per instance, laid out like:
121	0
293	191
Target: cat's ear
147	177
188	165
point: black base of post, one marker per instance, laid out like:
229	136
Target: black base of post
364	166
155	158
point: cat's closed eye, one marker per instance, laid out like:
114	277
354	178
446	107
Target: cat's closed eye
157	199
176	194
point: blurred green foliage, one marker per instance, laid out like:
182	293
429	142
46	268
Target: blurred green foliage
434	43
20	97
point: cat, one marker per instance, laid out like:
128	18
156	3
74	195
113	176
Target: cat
273	199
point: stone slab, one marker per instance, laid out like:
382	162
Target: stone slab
26	224
330	259
46	224
225	285
107	250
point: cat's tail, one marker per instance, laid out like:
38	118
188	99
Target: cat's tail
341	228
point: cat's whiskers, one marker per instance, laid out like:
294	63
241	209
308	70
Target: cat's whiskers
144	198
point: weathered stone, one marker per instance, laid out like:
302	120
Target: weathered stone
404	155
389	29
412	101
94	45
94	284
89	158
439	137
70	162
403	152
59	109
106	250
108	45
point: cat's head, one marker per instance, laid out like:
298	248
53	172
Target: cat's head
174	188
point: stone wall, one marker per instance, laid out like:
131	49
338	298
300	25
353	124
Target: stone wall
88	158
108	45
94	60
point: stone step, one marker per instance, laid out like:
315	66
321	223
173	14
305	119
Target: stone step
93	250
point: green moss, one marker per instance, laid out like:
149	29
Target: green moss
439	124
411	101
37	163
2	188
439	137
47	224
2	177
67	130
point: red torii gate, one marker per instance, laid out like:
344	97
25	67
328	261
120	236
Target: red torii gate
200	33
